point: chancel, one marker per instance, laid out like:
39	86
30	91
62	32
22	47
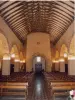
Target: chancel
37	50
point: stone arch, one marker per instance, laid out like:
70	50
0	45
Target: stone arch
21	55
1	32
46	60
6	56
57	54
72	46
4	47
14	50
69	43
64	50
40	55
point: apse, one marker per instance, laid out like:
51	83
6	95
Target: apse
38	44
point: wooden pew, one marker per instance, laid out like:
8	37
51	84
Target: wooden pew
61	88
59	84
14	88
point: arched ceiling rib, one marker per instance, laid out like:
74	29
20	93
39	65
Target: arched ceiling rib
52	17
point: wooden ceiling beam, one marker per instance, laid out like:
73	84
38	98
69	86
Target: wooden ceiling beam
12	3
11	9
62	14
2	3
5	16
16	19
51	16
61	19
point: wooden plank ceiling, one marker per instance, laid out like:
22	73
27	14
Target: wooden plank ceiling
52	17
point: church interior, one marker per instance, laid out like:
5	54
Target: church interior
37	50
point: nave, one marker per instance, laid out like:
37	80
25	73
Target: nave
36	36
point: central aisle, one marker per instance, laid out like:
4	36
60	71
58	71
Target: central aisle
37	91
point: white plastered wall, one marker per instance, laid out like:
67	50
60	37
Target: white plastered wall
9	34
66	38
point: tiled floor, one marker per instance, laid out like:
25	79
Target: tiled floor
38	92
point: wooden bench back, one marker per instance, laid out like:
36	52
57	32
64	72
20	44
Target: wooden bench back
65	88
17	84
19	88
14	83
62	84
13	87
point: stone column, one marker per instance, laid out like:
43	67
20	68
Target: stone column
6	67
21	65
53	66
16	66
71	66
62	65
57	68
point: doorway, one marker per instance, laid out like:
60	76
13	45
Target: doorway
38	67
11	68
38	64
66	68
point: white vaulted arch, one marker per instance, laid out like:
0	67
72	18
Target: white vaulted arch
63	50
4	47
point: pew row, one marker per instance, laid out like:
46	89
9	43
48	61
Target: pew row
61	88
14	89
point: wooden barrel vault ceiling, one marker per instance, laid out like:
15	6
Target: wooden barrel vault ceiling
52	17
